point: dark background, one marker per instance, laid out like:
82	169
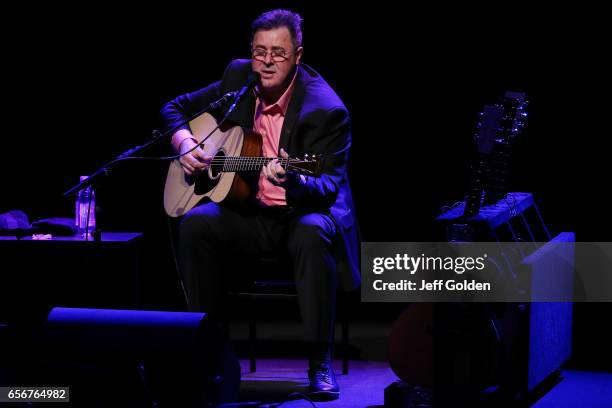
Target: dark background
82	85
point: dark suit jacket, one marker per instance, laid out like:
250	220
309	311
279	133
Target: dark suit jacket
316	122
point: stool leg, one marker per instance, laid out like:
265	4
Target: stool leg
345	342
252	340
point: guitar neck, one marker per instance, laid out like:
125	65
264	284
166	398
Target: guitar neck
244	163
475	195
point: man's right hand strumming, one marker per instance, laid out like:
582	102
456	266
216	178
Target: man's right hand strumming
195	161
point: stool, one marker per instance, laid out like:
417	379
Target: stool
273	284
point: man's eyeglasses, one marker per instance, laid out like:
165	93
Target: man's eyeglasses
259	54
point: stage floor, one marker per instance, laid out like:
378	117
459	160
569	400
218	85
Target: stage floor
370	374
364	387
275	379
585	389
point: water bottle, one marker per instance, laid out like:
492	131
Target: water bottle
82	204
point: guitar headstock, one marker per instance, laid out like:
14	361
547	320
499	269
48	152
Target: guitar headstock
501	122
308	165
515	115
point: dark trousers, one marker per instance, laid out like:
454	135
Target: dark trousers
213	236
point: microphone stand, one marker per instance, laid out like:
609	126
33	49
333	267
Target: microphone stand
156	137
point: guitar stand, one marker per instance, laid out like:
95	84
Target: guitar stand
507	355
495	354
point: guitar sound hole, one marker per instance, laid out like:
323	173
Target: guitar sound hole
207	180
217	165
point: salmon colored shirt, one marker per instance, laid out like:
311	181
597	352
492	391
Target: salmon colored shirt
268	123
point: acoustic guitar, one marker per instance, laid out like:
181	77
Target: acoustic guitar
234	168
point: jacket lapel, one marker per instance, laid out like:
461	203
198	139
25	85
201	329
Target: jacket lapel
293	110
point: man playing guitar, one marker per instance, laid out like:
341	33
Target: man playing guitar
312	219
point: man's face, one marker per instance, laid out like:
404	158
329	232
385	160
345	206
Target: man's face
274	57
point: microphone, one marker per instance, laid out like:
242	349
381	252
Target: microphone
223	100
254	78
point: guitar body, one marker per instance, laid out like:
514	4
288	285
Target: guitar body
411	345
182	192
445	345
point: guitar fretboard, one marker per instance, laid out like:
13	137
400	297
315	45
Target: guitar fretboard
242	164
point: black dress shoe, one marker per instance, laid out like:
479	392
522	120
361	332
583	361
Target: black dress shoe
323	385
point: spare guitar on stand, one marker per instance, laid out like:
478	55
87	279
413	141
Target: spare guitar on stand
471	348
457	350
